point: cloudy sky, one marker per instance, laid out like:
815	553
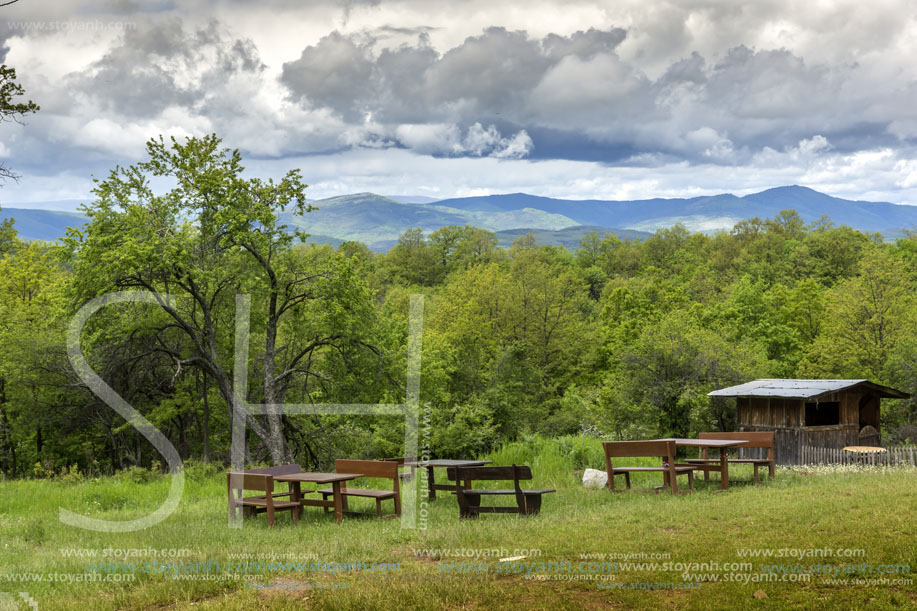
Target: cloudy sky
617	99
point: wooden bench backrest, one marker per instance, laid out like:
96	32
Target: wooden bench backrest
617	449
278	470
756	439
369	468
241	480
512	472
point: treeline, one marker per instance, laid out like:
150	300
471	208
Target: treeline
620	337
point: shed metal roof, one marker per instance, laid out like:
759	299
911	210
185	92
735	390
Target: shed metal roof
802	389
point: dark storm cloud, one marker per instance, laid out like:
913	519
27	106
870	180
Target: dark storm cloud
565	89
583	44
161	64
484	77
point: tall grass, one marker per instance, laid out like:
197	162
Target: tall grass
875	510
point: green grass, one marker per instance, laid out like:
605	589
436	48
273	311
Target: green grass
802	509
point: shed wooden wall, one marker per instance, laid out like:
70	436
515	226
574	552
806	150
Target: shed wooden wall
786	417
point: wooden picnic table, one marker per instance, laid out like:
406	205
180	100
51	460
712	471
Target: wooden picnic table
445	463
721	444
338	503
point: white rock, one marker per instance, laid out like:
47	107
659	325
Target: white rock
593	478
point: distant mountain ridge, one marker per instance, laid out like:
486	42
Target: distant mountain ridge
707	213
378	220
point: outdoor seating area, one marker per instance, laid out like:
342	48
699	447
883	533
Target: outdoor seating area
462	472
756	449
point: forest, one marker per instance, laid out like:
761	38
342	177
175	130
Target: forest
622	339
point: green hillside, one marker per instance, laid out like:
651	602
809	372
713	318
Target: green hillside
568	237
378	221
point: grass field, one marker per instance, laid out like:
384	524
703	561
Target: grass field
703	546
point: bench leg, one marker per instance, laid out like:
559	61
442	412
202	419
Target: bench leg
532	504
770	470
431	482
378	508
756	473
627	480
691	480
724	470
325	498
340	502
472	502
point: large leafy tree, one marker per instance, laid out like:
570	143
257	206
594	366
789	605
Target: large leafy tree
11	109
212	234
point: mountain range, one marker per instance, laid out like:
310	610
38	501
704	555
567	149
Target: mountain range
378	220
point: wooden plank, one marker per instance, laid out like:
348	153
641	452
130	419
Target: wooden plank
490	473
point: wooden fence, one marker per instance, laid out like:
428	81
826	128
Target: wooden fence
891	457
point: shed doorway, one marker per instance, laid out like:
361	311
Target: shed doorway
869	421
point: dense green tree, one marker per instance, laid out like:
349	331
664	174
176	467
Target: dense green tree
11	109
212	235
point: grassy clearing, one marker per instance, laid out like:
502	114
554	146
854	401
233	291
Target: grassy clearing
809	509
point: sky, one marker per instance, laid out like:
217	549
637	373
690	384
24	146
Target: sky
622	99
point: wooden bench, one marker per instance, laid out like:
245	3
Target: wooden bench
369	468
665	450
757	439
241	481
528	502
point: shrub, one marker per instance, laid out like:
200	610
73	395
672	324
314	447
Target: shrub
137	474
198	470
69	475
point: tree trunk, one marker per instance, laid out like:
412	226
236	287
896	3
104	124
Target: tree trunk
6	461
278	447
206	427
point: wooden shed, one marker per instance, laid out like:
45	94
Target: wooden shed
819	413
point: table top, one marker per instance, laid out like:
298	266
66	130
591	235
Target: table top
448	463
864	449
707	443
318	478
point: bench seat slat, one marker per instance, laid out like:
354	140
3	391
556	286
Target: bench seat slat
364	492
262	502
278	495
648	469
